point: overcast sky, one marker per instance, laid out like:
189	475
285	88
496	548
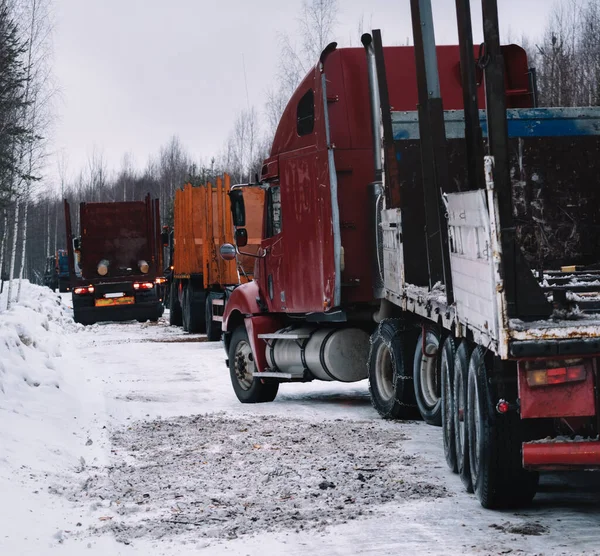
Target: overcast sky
132	73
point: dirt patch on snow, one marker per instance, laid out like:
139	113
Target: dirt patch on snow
175	340
533	528
221	477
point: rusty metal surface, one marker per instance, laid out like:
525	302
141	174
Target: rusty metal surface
122	233
202	223
556	200
571	399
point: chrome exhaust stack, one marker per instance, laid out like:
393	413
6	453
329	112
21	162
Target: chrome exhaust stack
376	187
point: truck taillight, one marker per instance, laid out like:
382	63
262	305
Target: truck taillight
82	290
557	375
160	280
143	285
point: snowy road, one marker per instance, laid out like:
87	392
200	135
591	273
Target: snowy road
167	462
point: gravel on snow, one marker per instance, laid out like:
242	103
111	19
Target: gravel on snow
222	476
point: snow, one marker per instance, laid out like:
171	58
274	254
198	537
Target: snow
133	443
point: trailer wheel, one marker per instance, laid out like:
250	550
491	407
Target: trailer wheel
392	394
193	309
175	316
499	480
447	371
213	328
426	373
461	440
247	388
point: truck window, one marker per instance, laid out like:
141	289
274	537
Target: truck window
305	114
273	211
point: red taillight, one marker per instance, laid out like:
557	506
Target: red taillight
83	290
143	285
502	407
558	375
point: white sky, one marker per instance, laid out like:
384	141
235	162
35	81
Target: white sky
132	73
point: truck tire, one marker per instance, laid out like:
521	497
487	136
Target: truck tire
499	480
194	300
447	372
392	394
426	377
213	327
175	316
461	439
80	320
247	388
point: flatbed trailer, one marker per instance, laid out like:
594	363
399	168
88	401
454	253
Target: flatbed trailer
509	307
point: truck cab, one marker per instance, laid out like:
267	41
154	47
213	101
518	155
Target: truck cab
317	266
119	255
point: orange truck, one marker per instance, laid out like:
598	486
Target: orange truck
200	280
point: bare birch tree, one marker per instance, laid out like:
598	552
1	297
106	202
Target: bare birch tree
316	25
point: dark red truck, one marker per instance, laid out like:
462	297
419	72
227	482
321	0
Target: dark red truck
427	227
118	255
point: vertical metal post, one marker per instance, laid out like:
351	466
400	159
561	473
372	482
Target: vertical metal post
374	97
473	133
495	90
333	184
434	159
392	190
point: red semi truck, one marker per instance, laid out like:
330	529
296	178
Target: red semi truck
448	254
119	254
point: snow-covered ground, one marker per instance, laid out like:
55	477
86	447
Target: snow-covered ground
128	439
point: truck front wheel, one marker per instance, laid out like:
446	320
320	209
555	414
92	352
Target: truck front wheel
499	480
390	379
247	388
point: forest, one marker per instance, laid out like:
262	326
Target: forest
566	58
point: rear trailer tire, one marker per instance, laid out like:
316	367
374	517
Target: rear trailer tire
499	480
247	388
175	316
461	440
426	375
447	372
185	309
195	302
392	394
213	328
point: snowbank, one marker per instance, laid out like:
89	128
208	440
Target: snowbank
30	339
47	412
44	401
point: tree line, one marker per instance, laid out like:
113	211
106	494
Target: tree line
566	57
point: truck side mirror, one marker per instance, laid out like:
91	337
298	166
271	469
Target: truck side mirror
76	244
238	210
241	237
228	252
164	237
